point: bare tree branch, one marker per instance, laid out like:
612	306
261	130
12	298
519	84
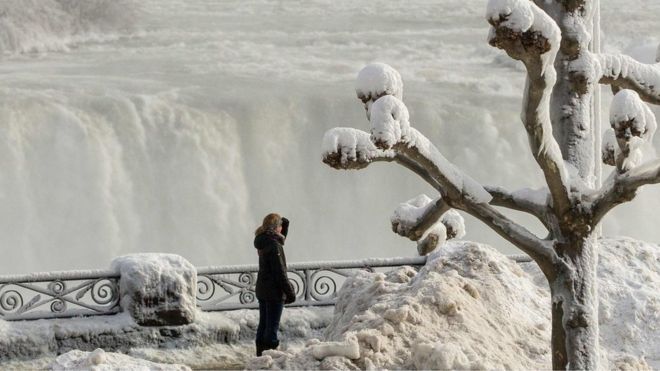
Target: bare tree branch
622	187
537	48
623	72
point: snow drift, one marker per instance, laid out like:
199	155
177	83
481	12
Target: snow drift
100	360
470	307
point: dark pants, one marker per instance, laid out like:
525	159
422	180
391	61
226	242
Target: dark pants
269	322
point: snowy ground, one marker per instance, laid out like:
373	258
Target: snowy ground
469	308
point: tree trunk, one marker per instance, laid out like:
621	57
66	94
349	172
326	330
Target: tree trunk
572	96
575	306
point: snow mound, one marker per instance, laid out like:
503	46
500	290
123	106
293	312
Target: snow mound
99	360
470	307
629	307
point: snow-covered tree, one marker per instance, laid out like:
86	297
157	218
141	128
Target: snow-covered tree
552	39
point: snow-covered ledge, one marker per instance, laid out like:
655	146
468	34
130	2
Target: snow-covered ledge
157	289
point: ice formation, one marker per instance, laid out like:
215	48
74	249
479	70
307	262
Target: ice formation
610	150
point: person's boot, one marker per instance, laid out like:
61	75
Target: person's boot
260	349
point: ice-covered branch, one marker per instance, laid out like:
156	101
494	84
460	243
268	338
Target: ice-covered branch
348	148
391	130
414	217
623	72
528	34
622	187
422	152
530	201
427	222
351	149
633	125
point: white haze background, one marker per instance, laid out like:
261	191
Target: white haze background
174	126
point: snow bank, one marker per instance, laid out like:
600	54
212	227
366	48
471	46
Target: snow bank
157	289
24	340
470	307
629	310
99	360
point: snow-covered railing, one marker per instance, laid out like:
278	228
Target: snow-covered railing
59	294
315	283
96	292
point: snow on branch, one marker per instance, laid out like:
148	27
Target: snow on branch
527	200
623	72
390	128
348	148
622	187
528	34
429	222
633	126
393	139
377	80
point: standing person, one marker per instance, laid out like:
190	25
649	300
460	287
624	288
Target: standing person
273	288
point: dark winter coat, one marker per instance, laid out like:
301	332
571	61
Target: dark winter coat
272	281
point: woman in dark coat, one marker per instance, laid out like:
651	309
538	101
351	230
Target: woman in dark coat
273	288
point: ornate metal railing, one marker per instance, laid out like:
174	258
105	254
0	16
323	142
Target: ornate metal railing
232	287
59	294
96	292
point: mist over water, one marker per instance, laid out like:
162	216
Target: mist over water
174	126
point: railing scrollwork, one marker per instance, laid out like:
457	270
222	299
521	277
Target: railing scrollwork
59	294
69	294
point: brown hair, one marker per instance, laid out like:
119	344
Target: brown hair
271	221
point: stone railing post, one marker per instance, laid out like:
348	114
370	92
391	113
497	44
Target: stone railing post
157	289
